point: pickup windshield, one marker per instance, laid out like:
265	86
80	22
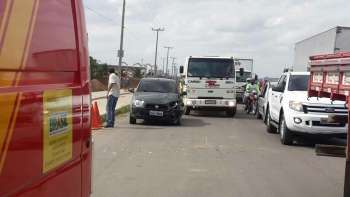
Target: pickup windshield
211	68
298	82
157	86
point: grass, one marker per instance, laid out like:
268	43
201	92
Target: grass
119	112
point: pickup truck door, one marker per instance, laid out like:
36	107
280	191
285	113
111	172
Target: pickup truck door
276	97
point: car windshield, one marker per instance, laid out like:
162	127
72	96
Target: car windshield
211	68
244	77
298	83
157	86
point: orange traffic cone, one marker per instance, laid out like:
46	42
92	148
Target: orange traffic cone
95	118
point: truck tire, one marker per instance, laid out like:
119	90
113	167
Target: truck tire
285	133
132	120
231	112
187	111
269	127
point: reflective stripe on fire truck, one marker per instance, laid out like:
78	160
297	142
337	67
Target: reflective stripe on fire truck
16	29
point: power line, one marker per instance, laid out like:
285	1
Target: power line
100	15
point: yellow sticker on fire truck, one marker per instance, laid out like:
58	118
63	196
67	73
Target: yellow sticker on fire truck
57	137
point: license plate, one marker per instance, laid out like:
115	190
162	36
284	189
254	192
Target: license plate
210	102
324	121
156	113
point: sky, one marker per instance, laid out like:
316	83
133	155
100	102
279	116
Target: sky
264	30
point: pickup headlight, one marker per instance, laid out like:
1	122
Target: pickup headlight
296	106
138	103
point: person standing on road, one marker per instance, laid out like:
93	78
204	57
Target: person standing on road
112	97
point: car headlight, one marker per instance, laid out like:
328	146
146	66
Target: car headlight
138	103
296	106
174	104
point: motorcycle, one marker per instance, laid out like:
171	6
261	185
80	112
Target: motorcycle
251	102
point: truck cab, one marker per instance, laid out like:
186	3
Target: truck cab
291	112
210	84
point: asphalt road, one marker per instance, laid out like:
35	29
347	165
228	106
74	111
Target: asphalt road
209	156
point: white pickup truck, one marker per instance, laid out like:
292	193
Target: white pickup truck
291	112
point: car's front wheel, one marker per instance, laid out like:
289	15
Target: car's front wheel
285	133
187	111
132	120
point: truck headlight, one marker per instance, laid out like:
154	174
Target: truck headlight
296	106
138	103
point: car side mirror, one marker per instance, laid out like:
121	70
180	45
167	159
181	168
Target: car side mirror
132	90
181	69
241	71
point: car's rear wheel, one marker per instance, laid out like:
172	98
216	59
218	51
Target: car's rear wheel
257	114
269	127
132	120
285	133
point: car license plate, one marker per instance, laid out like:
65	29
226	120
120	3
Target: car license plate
156	113
210	102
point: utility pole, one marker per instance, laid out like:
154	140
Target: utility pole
172	66
121	50
156	55
167	59
163	65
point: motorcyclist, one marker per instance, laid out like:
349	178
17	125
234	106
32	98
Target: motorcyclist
251	87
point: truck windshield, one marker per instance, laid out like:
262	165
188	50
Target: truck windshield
244	77
157	86
298	82
211	68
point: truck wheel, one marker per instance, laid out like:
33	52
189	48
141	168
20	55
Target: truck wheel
231	112
269	127
187	111
285	133
132	120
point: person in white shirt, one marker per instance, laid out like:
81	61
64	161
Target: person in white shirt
112	97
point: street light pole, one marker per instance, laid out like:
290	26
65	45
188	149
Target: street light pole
156	55
121	50
167	60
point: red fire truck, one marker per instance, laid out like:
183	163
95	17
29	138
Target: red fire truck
45	135
330	77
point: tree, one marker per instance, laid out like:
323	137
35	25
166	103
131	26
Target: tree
98	71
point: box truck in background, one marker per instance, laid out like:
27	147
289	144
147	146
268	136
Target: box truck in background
332	41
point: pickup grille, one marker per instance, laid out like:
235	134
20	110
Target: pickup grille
325	109
208	98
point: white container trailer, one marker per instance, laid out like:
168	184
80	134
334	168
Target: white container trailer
332	41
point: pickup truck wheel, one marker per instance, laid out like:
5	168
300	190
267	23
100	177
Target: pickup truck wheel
132	120
269	127
285	133
187	111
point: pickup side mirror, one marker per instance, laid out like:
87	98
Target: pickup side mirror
132	90
181	69
241	71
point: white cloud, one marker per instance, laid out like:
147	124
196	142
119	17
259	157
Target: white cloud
265	30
